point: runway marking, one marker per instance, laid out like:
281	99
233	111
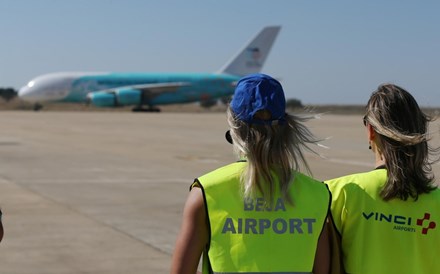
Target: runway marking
357	163
9	143
350	162
104	181
198	159
141	180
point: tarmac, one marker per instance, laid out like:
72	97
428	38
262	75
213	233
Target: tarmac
103	192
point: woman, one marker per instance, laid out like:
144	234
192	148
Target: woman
258	215
387	217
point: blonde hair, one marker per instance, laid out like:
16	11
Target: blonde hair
402	139
269	150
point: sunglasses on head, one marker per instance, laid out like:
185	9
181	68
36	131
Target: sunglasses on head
228	136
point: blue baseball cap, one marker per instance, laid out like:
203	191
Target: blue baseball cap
257	92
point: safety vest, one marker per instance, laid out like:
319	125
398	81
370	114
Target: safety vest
385	236
251	236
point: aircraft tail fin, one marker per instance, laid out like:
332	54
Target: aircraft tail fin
252	57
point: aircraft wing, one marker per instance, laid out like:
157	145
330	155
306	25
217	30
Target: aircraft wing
156	89
150	90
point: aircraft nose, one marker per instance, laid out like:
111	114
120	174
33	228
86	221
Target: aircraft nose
23	91
26	93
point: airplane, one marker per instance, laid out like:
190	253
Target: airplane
115	89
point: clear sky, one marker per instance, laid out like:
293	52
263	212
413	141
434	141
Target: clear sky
334	52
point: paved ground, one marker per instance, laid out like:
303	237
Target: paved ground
98	192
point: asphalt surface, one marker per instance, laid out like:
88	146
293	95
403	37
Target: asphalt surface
103	192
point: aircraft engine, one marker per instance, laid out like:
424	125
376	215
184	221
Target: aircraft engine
208	103
119	97
102	99
128	97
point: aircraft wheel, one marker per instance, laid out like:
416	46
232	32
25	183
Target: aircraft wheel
37	106
141	109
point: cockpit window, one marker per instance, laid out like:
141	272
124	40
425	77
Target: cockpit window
31	84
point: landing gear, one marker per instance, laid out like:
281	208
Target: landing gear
226	100
141	109
37	107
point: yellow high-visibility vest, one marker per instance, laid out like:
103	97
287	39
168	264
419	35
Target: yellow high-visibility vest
385	236
252	236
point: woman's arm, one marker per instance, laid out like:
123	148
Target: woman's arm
322	257
193	236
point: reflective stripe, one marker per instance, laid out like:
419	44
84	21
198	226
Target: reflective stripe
262	272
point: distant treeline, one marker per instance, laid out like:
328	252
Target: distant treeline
8	93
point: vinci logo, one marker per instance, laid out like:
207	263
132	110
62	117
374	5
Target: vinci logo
402	223
431	225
